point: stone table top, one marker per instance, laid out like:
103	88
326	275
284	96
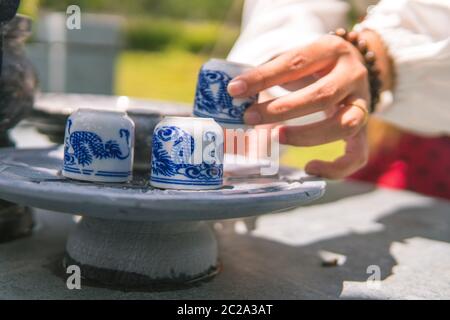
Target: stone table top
32	177
326	250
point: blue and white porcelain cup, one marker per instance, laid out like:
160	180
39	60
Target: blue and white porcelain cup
212	99
187	153
99	146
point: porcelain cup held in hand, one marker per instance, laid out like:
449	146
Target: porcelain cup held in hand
187	154
212	99
99	146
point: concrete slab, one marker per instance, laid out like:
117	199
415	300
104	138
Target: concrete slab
402	237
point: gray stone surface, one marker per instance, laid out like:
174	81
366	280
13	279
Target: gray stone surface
403	234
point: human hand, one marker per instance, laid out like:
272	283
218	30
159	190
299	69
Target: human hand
341	91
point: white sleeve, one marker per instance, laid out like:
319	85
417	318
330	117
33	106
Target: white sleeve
270	27
417	35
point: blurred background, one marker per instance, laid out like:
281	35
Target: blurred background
140	48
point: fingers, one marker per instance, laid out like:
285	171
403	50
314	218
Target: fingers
355	157
287	67
348	121
323	94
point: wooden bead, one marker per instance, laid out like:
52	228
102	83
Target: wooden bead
369	56
375	77
370	63
374	71
362	46
375	87
352	37
375	83
341	32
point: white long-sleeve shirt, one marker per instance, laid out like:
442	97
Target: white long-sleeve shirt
416	33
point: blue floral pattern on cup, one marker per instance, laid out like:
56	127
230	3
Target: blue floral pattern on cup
213	101
175	167
83	148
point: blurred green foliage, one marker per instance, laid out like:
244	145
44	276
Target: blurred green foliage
165	75
29	7
150	34
155	34
181	9
197	26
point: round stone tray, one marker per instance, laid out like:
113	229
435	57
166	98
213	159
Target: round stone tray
33	177
64	104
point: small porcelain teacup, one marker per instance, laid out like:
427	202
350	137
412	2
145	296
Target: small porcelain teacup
99	146
212	99
187	153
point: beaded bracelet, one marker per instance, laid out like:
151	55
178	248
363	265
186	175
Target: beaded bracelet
375	83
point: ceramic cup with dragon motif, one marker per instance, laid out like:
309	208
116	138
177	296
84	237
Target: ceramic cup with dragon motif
99	146
187	153
212	99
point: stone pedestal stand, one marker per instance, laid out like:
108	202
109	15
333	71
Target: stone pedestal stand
134	235
128	253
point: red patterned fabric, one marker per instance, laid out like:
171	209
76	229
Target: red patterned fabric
418	164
